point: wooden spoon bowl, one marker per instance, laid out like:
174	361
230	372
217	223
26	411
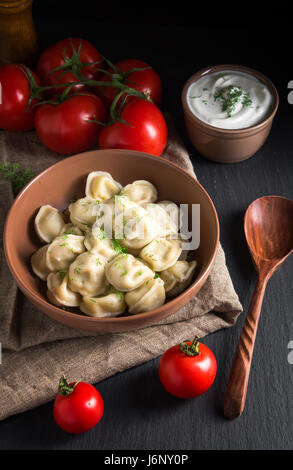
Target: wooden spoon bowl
268	227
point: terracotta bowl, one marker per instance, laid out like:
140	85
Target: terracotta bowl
227	145
65	180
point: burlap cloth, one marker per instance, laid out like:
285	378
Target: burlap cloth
36	350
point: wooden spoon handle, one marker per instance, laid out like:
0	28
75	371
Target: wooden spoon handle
239	375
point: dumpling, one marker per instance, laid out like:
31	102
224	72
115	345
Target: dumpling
141	191
173	212
70	229
178	277
48	223
58	291
125	272
161	220
110	214
110	305
83	213
87	274
137	228
101	186
63	250
147	297
39	262
100	246
161	253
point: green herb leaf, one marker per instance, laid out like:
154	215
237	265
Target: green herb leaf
118	248
18	178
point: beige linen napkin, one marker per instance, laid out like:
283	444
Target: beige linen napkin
36	350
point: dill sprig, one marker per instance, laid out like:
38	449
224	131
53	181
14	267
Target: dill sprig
18	178
118	248
230	96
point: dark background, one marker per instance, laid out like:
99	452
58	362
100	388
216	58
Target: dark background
177	41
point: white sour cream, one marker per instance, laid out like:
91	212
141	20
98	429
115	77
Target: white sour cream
229	99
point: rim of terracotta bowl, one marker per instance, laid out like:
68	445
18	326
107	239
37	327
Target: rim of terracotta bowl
39	300
243	131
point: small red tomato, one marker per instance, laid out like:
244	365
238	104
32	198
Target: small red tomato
15	93
144	129
188	370
145	80
78	406
69	127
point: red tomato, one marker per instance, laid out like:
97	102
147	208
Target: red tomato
72	54
188	370
145	81
78	407
15	93
66	128
146	130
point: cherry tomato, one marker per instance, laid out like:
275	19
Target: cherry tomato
67	127
146	129
71	59
143	80
15	114
78	406
188	370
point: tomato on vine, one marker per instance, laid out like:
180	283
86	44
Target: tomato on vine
19	94
141	126
70	126
67	61
134	73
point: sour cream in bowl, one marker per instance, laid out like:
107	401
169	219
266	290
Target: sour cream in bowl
228	111
230	99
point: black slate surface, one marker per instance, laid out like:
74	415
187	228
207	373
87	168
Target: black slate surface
139	414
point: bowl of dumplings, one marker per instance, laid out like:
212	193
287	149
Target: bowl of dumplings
102	245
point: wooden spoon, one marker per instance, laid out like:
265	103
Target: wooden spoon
268	226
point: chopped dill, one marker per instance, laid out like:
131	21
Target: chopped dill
18	178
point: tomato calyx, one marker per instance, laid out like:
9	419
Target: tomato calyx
64	388
119	75
72	64
190	349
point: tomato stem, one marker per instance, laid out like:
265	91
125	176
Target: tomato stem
190	349
64	388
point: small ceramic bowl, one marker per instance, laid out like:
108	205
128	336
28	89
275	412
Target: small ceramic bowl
65	180
227	145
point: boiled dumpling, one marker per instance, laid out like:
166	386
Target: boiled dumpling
70	229
172	211
63	250
147	297
83	213
161	253
137	228
161	220
87	274
178	277
39	262
125	272
141	192
100	245
110	305
48	223
58	291
110	215
101	186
